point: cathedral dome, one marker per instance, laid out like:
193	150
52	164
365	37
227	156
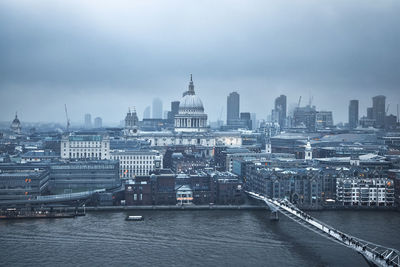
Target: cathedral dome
191	103
191	116
16	125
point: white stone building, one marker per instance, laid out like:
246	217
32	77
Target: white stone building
137	162
365	191
85	146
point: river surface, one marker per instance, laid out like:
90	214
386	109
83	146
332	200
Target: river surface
190	238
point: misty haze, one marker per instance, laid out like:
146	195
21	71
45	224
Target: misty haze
200	133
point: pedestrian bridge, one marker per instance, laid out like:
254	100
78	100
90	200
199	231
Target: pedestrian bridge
51	199
374	254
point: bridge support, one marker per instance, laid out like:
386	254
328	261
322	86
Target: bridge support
274	215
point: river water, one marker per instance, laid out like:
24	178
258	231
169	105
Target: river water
190	238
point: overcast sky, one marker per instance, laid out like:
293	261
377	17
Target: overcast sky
101	57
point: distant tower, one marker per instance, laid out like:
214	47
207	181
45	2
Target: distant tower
233	106
98	122
353	114
268	146
280	110
88	121
379	110
157	109
146	113
16	125
308	151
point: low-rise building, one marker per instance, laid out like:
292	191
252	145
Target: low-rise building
23	184
80	176
355	191
137	162
85	146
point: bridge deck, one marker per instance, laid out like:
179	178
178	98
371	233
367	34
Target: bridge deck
373	253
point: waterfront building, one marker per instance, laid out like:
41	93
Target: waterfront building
23	184
78	176
353	114
302	186
85	146
184	195
394	174
155	189
362	191
137	162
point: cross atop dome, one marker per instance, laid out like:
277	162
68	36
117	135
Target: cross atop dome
191	86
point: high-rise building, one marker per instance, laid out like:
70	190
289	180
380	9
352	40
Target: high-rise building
280	110
254	123
246	118
305	117
157	108
98	122
323	119
174	111
88	121
146	113
233	104
370	113
379	112
353	114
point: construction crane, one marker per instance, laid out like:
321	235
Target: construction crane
66	115
298	105
387	108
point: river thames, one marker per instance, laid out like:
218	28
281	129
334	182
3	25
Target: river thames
187	238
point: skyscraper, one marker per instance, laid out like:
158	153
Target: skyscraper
174	111
254	121
280	110
98	122
370	113
146	113
88	121
246	118
378	110
233	103
353	114
157	109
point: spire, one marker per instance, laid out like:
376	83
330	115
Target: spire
191	86
16	115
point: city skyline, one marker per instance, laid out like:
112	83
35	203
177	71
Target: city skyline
260	50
